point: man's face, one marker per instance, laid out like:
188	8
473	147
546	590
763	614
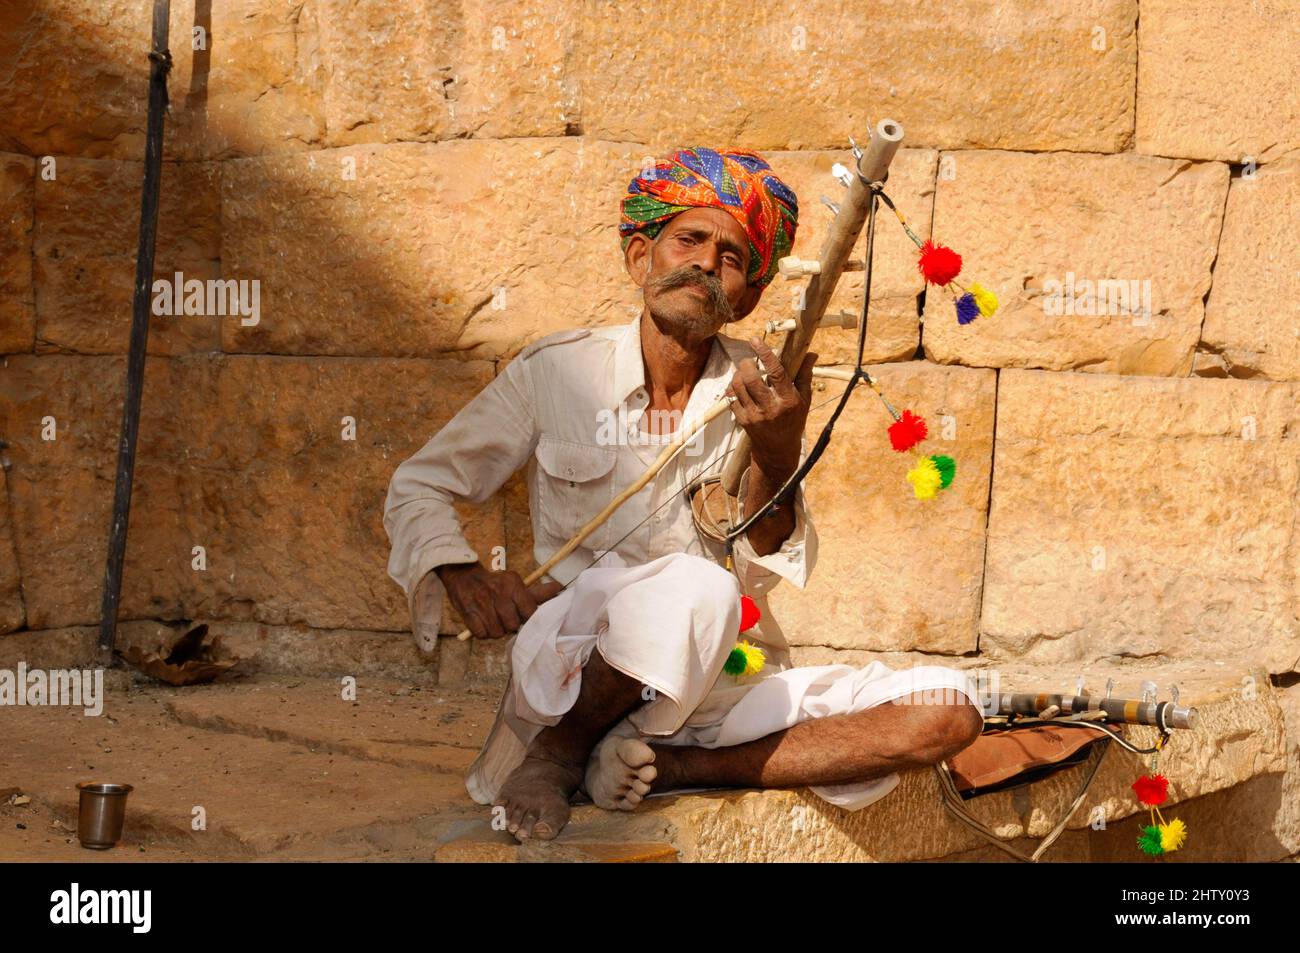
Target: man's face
693	273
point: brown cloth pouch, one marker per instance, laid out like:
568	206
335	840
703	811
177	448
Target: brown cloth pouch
1003	758
1010	757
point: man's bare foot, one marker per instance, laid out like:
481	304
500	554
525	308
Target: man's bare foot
620	774
536	797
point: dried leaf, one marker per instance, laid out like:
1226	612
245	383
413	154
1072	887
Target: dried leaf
190	661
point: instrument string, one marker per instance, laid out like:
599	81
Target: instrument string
701	478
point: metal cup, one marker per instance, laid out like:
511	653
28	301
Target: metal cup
101	813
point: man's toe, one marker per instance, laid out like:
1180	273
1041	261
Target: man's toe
635	753
516	818
550	824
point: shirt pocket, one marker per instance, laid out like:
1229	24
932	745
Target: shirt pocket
575	481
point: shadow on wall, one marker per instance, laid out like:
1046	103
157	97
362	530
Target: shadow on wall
261	478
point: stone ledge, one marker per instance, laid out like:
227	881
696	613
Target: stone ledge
1238	748
245	746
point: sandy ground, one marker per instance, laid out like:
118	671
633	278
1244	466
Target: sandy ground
271	768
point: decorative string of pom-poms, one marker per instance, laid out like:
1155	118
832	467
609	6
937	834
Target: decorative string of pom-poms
932	472
1152	790
746	658
940	266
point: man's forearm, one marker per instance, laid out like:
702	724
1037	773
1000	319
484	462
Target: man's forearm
767	535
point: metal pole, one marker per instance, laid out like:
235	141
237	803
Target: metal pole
160	62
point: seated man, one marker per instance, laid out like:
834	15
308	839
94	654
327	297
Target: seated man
617	678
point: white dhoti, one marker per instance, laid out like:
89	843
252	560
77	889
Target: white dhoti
670	624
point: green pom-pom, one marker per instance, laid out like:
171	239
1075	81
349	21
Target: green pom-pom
735	665
1149	841
947	468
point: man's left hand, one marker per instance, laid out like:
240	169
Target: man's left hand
772	412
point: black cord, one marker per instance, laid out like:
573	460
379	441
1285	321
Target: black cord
791	485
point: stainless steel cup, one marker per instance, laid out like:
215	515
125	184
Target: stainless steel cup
101	813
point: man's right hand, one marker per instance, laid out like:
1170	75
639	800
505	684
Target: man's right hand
493	604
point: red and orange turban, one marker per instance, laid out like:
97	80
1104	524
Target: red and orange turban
740	183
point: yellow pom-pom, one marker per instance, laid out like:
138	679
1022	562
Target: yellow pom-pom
754	657
925	479
986	300
1172	835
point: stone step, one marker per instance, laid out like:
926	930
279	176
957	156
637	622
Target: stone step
1232	772
286	768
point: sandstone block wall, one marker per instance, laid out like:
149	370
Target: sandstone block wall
423	188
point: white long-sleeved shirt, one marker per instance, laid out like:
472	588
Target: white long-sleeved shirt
571	407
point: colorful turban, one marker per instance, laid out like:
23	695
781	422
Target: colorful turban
740	183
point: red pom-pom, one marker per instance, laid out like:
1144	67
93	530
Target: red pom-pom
939	263
907	432
749	614
1152	789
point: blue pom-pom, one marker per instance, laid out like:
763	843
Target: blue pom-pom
967	309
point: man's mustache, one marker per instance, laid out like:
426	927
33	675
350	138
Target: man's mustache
690	275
